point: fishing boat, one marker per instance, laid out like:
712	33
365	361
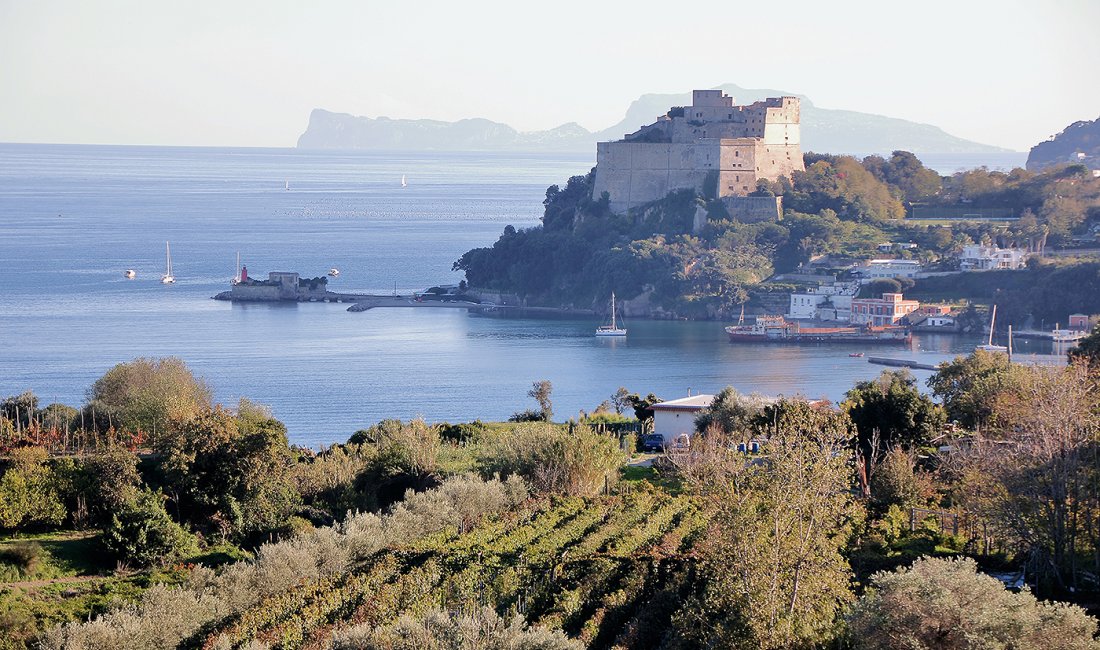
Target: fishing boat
611	329
776	329
130	274
988	346
333	272
167	278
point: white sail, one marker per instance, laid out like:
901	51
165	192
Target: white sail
613	329
167	278
404	183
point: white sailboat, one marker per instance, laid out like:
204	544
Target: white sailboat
237	271
167	278
130	274
404	183
613	329
287	186
988	346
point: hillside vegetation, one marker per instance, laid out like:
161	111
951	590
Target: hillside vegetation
840	206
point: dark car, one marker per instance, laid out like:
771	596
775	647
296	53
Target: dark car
653	442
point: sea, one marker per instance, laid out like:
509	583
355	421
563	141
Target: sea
73	218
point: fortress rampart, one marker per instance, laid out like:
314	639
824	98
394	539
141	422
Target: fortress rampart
712	138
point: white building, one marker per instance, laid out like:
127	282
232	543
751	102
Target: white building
986	258
827	302
888	268
676	417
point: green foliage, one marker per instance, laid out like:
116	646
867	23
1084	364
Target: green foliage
19	409
147	394
1088	349
24	556
439	630
968	385
776	574
540	392
729	413
948	605
843	185
896	483
552	459
230	477
890	411
29	491
142	534
101	483
906	175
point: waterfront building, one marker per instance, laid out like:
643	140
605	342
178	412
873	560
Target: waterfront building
986	258
890	309
1078	322
876	269
825	302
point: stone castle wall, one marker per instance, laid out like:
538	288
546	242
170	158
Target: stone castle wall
742	144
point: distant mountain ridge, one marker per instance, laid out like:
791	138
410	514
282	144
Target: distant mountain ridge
823	130
1077	143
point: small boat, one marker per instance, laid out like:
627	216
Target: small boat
855	354
333	272
988	346
167	278
404	183
130	274
612	329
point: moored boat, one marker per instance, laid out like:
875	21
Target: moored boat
780	330
612	329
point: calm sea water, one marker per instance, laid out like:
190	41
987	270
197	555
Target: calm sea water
73	218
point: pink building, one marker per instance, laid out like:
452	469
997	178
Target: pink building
887	310
1079	322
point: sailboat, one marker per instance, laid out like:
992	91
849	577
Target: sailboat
404	183
287	186
167	278
613	329
989	347
237	271
130	274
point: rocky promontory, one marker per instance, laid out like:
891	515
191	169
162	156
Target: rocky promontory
1077	143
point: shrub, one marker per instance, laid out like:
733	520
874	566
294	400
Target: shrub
25	556
947	604
438	630
141	533
553	459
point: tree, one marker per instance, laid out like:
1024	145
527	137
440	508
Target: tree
228	476
776	575
620	399
1088	348
967	386
29	492
730	413
142	534
148	394
945	604
540	392
103	483
890	411
20	409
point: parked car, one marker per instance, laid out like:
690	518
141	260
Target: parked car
653	442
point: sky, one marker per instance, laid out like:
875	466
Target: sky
247	73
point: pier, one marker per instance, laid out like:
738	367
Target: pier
902	363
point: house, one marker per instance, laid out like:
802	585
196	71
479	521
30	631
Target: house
1078	322
887	310
825	302
887	246
986	258
887	268
676	417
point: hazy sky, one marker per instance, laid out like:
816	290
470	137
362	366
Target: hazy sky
199	72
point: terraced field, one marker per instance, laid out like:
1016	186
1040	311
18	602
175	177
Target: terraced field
609	571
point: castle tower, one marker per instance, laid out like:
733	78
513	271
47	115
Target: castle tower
713	139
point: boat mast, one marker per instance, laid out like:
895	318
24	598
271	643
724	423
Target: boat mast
168	258
992	320
612	310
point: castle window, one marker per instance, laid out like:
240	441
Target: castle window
737	154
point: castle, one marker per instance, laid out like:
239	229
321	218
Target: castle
694	146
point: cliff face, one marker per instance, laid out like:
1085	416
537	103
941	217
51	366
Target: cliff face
823	130
1078	143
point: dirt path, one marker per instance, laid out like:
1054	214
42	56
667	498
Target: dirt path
31	584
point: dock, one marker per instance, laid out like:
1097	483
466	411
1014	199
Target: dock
902	363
